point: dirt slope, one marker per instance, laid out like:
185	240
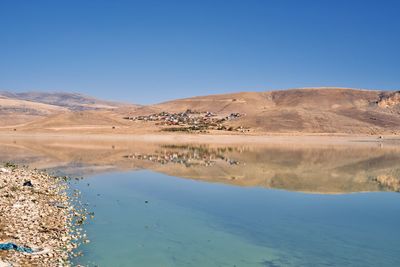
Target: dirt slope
71	101
319	110
63	109
15	111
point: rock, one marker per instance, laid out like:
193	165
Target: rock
5	264
4	170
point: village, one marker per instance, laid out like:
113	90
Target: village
191	121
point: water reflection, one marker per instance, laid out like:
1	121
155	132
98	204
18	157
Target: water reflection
316	169
151	218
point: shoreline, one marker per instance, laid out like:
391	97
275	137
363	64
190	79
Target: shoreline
37	214
272	138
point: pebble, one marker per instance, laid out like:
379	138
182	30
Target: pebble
4	170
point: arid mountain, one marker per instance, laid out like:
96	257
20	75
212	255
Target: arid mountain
15	111
71	101
294	111
26	108
320	110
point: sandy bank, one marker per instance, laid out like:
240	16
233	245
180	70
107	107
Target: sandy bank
289	138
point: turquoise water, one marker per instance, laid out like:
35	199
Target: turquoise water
147	219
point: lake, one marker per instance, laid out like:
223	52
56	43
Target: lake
229	205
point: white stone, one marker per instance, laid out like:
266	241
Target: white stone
5	264
4	170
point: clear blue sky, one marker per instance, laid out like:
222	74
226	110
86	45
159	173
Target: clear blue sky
150	51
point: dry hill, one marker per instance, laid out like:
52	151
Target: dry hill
71	101
18	109
318	110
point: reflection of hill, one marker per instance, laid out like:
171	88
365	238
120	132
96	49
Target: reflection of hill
325	169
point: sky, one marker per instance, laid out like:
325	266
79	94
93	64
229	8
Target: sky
152	51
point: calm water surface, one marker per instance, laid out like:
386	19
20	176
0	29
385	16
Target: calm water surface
209	205
149	219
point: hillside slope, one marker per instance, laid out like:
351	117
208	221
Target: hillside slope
319	110
294	111
71	101
18	109
15	111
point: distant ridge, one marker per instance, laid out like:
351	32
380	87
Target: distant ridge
27	107
72	101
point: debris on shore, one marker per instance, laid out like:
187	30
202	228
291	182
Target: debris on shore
191	121
38	220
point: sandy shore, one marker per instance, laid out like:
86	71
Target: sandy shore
36	213
289	138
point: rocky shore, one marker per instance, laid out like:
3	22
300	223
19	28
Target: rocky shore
37	215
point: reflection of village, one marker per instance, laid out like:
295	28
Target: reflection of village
186	155
362	167
388	182
205	156
191	121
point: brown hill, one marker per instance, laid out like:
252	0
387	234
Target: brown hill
16	111
53	108
71	101
295	111
319	110
76	120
